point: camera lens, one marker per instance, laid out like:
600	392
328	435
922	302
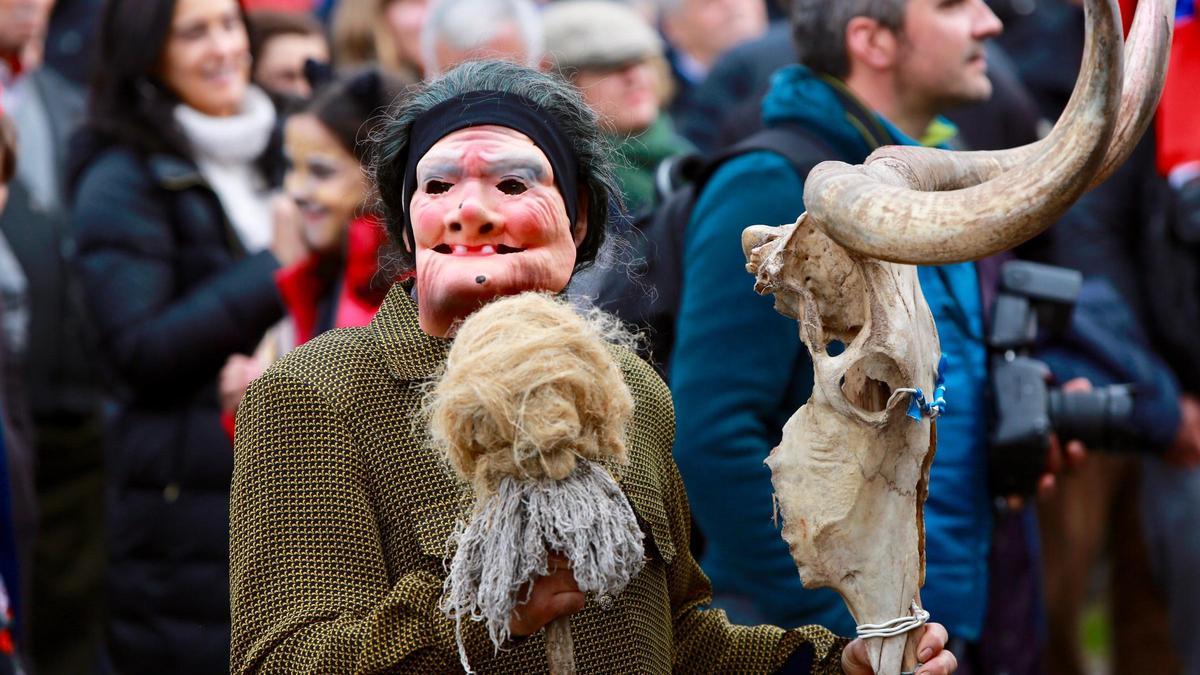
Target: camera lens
1101	418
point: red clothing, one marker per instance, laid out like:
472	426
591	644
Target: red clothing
1178	128
360	289
14	64
1178	133
308	282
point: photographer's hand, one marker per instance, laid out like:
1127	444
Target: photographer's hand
1059	459
1185	451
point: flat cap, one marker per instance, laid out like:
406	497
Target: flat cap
597	34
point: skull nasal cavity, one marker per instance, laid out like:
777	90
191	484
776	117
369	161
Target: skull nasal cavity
869	383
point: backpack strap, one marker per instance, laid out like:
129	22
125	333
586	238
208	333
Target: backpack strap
800	146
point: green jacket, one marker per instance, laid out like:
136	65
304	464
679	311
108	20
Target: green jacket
641	155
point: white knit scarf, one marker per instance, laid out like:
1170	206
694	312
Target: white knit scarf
225	150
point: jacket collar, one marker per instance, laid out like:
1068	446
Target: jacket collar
824	104
352	279
410	353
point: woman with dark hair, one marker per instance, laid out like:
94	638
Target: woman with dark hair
339	283
495	179
178	251
282	42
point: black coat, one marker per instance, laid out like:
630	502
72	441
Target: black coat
172	297
60	371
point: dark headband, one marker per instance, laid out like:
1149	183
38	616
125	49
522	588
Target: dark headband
478	108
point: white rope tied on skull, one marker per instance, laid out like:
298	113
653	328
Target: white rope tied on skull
895	627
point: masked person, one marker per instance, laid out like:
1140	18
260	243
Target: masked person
495	180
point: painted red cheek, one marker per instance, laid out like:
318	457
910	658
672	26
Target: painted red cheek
528	220
427	221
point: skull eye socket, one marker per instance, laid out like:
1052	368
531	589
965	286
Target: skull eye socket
869	383
835	348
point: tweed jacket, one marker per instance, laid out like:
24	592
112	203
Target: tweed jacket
340	513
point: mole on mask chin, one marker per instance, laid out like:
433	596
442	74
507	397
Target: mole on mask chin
449	289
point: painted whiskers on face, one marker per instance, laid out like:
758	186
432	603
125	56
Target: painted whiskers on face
487	206
325	180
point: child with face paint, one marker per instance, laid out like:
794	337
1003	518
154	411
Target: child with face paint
325	148
338	283
495	180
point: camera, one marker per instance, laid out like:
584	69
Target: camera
1027	410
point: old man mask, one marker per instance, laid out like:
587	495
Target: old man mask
487	184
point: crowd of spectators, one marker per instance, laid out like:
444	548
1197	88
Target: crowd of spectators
185	197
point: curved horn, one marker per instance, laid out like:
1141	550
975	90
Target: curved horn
1146	54
897	207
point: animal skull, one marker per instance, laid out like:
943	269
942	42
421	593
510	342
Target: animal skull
852	470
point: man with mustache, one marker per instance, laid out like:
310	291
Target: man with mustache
870	73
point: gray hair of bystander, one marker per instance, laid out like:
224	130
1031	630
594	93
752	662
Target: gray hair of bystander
467	24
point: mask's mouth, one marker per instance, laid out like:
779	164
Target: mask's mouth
482	250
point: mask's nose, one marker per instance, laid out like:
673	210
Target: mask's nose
474	217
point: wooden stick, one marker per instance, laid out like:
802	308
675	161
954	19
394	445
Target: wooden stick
560	648
910	662
909	665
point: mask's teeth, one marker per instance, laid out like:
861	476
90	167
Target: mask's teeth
487	249
459	249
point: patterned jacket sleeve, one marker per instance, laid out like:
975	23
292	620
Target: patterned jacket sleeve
309	585
704	639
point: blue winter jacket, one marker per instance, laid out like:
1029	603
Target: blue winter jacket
740	371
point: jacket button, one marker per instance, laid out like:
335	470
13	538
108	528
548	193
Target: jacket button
171	493
605	601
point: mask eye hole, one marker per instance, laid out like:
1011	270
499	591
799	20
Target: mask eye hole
437	187
511	186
